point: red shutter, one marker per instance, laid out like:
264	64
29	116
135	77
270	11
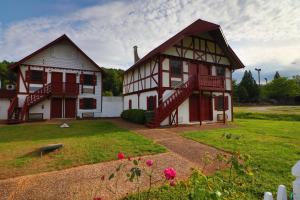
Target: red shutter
81	78
94	103
95	79
27	76
216	102
81	103
226	103
45	77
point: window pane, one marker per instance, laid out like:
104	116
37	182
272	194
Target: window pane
220	71
88	79
36	76
176	68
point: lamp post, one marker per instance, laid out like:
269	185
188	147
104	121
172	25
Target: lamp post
258	71
266	80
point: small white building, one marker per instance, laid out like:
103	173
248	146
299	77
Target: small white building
186	79
58	81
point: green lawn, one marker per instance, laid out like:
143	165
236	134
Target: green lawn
84	142
273	145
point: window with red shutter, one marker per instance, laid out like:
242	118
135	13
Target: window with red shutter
81	103
35	76
88	103
94	103
151	102
129	104
219	103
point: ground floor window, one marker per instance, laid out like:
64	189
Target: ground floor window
219	101
88	103
151	102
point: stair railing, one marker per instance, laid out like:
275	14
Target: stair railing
14	103
38	94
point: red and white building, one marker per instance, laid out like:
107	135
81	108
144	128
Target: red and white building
187	79
57	81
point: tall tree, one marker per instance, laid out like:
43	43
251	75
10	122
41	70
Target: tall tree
277	75
248	90
112	82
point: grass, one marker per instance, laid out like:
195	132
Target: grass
274	147
85	142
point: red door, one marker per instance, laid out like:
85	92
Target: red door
206	108
204	69
56	108
193	71
70	108
71	87
194	107
56	81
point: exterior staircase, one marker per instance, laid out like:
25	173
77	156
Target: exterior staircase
165	108
18	114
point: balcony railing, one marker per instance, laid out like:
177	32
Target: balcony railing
207	82
66	89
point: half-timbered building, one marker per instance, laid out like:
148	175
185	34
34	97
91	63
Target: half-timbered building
187	79
57	81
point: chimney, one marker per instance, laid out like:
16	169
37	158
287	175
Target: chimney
135	54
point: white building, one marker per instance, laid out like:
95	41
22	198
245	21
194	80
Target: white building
186	79
58	81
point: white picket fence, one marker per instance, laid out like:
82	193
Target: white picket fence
281	192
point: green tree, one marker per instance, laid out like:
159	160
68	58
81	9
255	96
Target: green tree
248	90
282	88
277	75
112	82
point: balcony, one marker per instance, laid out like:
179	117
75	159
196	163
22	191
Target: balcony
215	83
65	89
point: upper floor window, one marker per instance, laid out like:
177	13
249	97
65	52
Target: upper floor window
176	68
220	71
36	76
88	79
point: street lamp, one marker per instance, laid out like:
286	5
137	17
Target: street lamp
266	80
258	71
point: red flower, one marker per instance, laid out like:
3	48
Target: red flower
97	198
102	178
172	183
121	156
170	173
149	163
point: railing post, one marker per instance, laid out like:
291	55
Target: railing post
281	193
296	183
268	196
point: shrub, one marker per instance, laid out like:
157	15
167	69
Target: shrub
134	115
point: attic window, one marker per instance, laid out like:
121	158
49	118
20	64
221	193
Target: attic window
176	68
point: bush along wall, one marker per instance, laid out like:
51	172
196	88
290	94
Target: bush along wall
134	115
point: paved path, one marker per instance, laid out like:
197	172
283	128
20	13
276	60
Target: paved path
184	148
85	182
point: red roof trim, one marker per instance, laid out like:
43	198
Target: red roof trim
199	26
63	37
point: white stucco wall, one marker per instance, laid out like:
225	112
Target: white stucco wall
4	105
42	107
112	106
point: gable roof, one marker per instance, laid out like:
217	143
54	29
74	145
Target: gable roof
199	26
61	38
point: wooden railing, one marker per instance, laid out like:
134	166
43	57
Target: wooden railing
211	82
172	102
14	104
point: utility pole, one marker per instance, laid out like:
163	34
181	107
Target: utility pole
258	71
266	80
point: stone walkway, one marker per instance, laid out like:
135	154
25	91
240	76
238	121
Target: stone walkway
85	182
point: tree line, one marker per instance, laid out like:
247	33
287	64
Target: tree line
280	90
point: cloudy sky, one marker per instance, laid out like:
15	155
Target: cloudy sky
263	33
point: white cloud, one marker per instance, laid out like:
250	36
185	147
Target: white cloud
261	31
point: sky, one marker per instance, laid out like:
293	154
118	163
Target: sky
264	33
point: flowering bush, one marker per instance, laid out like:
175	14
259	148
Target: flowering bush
170	173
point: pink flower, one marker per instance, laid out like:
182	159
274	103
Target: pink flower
172	183
149	163
170	173
121	156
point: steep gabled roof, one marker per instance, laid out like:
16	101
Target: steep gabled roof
61	38
197	27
